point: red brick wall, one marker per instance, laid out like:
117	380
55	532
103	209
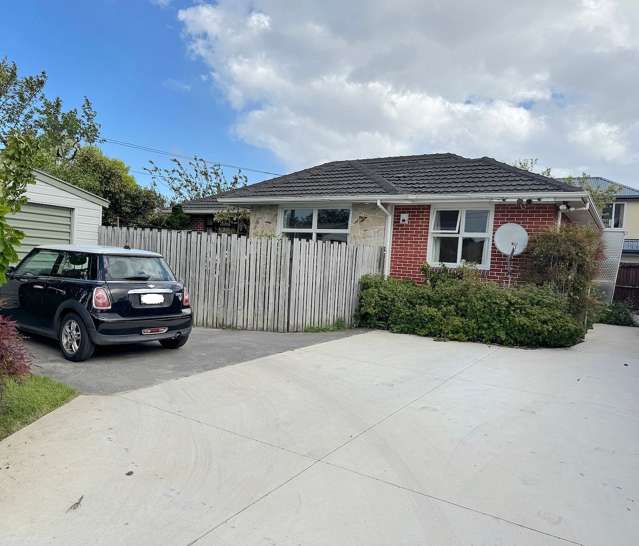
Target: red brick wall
198	223
534	218
408	249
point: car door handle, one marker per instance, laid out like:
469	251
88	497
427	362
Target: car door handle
38	286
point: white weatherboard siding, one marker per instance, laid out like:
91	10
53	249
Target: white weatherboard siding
86	216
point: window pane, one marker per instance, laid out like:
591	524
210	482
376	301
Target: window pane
445	249
606	215
303	236
619	210
119	268
446	220
74	265
333	218
40	264
337	237
476	221
298	218
473	250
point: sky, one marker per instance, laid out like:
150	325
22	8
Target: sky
277	85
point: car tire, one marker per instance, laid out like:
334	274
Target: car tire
73	336
174	343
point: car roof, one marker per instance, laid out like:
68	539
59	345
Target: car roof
97	249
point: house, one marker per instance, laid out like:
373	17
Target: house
203	213
435	208
623	213
57	212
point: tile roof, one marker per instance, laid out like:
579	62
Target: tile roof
416	174
600	182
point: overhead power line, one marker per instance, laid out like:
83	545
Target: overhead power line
152	150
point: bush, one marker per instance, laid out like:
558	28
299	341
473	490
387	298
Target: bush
616	313
469	309
566	260
14	358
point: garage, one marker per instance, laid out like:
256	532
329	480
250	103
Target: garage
57	212
42	224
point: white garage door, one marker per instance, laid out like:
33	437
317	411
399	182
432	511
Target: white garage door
42	225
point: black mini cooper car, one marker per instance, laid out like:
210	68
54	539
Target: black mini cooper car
85	296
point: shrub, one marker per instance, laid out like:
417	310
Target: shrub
469	309
616	313
14	358
566	260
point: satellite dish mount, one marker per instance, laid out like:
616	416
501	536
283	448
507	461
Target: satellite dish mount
511	240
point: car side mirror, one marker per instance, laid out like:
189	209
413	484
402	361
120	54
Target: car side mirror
11	271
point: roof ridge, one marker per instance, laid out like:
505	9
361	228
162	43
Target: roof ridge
547	179
378	178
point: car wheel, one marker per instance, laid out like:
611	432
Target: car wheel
74	339
174	343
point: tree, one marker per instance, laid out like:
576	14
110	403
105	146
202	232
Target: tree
197	179
24	109
33	130
601	197
90	169
530	164
16	171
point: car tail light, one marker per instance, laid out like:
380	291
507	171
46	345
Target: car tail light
101	299
186	299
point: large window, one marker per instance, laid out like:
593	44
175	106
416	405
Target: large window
316	224
459	236
613	215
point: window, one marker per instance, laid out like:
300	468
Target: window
613	215
40	263
76	265
136	268
316	224
460	236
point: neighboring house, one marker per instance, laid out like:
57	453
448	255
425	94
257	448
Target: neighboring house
437	208
624	214
202	212
57	212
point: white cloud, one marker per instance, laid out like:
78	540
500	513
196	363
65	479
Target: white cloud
333	80
161	3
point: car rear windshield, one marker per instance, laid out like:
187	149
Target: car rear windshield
136	268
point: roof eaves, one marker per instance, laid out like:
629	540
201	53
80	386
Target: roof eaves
66	186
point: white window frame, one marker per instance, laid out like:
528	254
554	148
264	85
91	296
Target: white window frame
460	233
314	230
610	223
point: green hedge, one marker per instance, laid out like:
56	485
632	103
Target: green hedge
469	309
616	313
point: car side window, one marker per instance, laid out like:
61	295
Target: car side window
75	265
40	264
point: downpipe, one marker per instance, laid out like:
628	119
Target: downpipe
388	237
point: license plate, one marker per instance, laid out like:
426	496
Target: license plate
151	299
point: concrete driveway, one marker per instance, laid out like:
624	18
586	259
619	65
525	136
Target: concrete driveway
127	367
375	439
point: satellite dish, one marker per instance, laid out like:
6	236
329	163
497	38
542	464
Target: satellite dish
511	239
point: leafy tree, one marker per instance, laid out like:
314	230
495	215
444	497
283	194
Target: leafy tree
178	219
601	197
24	109
196	179
90	169
530	164
33	130
15	173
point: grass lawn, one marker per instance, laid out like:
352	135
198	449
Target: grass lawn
25	401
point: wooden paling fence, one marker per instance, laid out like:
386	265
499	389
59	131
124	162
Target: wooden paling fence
627	289
259	284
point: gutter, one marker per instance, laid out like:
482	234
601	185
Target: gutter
539	197
388	237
